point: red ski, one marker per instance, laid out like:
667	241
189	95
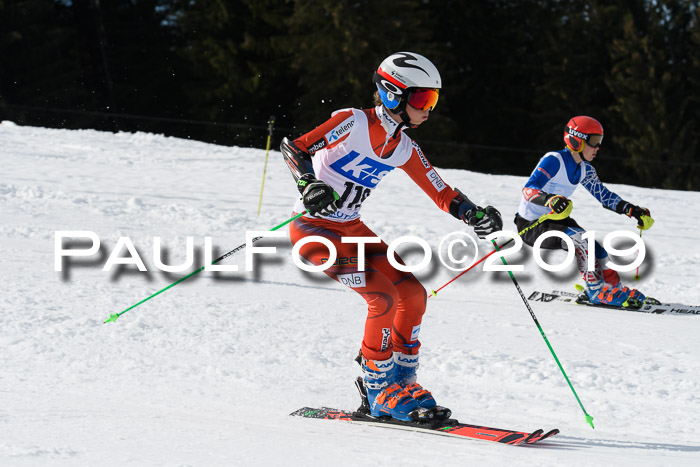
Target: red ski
448	427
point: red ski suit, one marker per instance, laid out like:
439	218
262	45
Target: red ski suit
352	152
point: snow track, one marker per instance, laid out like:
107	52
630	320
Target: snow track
207	372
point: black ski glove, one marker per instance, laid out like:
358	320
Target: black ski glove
557	203
319	198
643	216
484	220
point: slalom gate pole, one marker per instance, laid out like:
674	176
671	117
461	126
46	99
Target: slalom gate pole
589	418
270	125
636	275
114	316
542	218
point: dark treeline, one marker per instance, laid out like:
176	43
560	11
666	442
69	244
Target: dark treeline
513	73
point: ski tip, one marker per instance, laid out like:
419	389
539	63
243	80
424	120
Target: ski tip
303	412
547	435
532	437
589	420
434	294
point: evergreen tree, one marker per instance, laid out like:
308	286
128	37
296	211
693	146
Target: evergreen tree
228	47
655	83
127	59
513	72
333	48
39	65
492	74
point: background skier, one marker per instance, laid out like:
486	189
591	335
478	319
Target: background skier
553	181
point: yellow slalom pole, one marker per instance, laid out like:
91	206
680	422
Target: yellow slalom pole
270	125
636	276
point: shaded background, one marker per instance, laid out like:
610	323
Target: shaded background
513	73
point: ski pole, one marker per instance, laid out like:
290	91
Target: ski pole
544	217
114	316
434	292
270	125
589	418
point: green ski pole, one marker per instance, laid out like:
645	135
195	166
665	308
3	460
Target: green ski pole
114	316
589	418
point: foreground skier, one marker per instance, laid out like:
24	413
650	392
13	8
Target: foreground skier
336	167
551	184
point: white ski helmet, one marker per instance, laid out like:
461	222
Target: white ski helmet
401	72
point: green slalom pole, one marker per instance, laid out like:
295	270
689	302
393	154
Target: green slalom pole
114	316
589	418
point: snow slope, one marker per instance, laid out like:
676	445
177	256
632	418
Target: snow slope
207	372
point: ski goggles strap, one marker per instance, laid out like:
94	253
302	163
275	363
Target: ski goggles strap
423	98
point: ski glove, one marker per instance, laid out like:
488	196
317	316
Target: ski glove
484	220
557	203
319	198
643	216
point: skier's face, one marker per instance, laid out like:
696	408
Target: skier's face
589	152
417	116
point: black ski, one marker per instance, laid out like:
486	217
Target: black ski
651	306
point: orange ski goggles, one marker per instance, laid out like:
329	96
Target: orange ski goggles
423	98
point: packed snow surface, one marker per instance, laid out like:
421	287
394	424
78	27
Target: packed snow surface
207	372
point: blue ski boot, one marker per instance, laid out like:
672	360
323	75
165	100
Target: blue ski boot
616	296
384	396
406	375
406	366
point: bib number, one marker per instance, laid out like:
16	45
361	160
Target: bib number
360	194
